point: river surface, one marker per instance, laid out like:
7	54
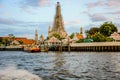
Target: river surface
18	65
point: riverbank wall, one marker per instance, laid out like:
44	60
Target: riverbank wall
96	46
90	47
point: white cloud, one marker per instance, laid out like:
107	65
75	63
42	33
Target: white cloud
97	17
74	22
43	2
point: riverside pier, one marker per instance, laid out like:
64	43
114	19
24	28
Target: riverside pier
96	46
91	47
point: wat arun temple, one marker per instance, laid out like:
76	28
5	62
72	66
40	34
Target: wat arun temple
58	25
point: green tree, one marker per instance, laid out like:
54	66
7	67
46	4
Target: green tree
108	28
98	37
47	38
0	39
80	41
108	39
72	35
11	38
57	36
92	31
5	42
21	42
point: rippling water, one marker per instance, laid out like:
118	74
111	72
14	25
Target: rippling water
60	65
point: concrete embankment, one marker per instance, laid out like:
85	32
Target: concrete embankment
11	48
95	47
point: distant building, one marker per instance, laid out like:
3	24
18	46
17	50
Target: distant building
78	36
115	36
66	41
75	38
58	27
24	40
41	39
53	41
15	42
36	36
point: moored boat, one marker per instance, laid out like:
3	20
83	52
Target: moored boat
32	49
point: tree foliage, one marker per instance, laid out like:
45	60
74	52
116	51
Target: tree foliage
80	41
5	42
98	37
72	35
11	36
108	28
108	39
57	36
0	39
92	31
21	42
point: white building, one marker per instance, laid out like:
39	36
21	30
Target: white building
115	36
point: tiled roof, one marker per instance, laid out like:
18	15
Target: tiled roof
79	36
23	39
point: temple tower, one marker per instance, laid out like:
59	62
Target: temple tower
41	38
81	30
58	26
36	36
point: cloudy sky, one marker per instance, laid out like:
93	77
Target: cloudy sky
22	17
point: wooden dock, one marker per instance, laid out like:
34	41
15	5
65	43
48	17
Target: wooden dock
96	46
90	47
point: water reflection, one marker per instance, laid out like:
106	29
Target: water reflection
59	60
58	66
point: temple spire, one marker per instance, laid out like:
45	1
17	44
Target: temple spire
49	29
58	26
36	36
81	30
58	10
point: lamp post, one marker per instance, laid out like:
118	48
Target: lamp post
61	44
68	45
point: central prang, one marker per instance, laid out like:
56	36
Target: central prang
58	26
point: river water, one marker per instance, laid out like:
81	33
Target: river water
18	65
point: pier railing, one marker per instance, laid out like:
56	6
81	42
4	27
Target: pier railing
95	44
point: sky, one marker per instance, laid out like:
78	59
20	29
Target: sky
22	17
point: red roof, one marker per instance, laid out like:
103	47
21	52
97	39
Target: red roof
23	39
79	36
